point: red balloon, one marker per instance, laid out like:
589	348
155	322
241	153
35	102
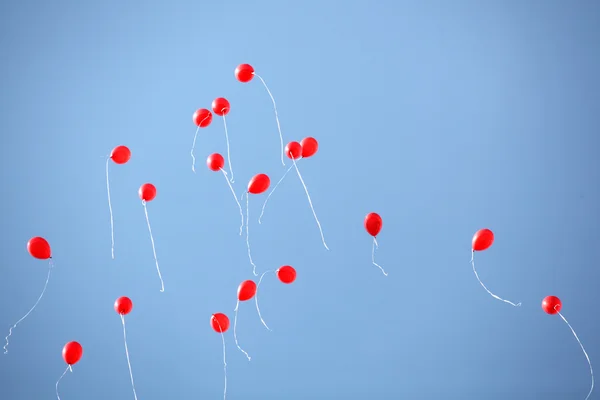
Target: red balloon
293	150
120	154
551	304
123	305
220	106
72	353
39	248
202	118
373	224
246	290
482	240
286	274
309	147
147	192
259	184
219	322
215	162
244	73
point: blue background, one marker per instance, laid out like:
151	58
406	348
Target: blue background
443	116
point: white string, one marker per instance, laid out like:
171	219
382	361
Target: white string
162	284
584	352
235	329
31	310
59	379
193	147
256	298
235	198
127	354
248	236
375	245
224	359
310	203
276	116
228	156
112	229
492	294
269	196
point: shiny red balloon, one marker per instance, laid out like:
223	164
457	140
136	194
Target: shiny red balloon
259	184
309	147
39	248
293	150
219	322
221	106
373	224
120	154
72	353
286	274
482	240
551	304
202	117
246	290
215	162
123	305
147	192
244	73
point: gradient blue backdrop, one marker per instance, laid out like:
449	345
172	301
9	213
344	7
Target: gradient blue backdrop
442	116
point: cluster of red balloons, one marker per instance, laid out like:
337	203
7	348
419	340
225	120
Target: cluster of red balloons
307	147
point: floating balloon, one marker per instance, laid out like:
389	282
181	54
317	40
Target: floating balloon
119	155
220	323
482	240
222	107
202	118
215	162
147	192
244	73
293	150
71	353
257	185
373	224
286	274
123	306
552	305
309	147
246	291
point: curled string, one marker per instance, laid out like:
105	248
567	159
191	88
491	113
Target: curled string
582	348
256	298
127	354
162	284
248	236
32	308
224	358
276	116
194	143
310	203
112	229
376	246
269	196
59	379
487	290
235	330
227	139
235	198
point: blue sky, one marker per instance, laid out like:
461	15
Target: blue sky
443	117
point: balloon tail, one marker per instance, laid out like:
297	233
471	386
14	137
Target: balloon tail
224	359
193	147
487	290
269	196
112	229
127	354
228	155
376	246
584	352
235	330
162	284
59	379
256	299
248	236
235	198
31	310
310	203
276	115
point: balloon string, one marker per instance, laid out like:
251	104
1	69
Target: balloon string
276	116
310	203
112	229
248	236
162	284
584	352
235	330
31	310
269	196
256	298
228	156
193	147
376	246
127	354
59	379
492	294
224	358
236	200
